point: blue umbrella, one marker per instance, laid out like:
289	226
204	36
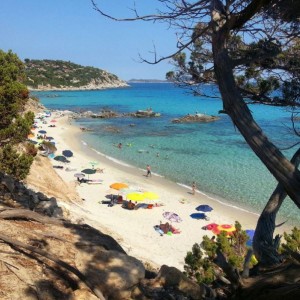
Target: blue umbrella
67	153
43	131
250	233
204	208
61	158
199	216
88	171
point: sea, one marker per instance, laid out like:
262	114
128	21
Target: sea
213	154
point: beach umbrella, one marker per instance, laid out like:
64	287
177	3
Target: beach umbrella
79	175
204	208
67	153
229	229
150	195
42	131
88	171
49	138
53	121
135	196
118	185
250	233
199	216
171	216
61	158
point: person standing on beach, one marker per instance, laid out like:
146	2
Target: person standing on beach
148	171
194	188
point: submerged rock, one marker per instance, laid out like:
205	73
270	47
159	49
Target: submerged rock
149	113
201	118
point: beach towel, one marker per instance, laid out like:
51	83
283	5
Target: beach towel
210	226
158	230
94	181
172	217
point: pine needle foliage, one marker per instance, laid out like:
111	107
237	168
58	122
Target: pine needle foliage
15	125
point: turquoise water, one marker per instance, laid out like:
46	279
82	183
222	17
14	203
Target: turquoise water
212	154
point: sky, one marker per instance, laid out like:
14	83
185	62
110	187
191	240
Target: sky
72	30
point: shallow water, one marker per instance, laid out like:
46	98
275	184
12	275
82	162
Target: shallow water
214	155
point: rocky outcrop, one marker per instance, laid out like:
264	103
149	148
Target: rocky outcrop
149	113
197	118
108	114
14	194
170	283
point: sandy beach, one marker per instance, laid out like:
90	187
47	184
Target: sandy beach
134	229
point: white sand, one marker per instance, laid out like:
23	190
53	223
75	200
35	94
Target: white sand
133	229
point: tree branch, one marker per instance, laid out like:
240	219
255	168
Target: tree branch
238	20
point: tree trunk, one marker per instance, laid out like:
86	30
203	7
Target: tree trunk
264	247
282	169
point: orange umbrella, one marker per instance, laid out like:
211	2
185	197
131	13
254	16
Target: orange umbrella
229	229
118	185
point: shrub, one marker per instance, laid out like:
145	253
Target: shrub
13	163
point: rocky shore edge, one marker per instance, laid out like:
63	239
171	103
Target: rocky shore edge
91	86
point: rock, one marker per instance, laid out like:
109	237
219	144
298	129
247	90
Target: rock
47	207
58	212
83	294
34	198
172	277
114	273
197	118
42	197
145	114
8	182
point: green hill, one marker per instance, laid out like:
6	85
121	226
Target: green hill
58	74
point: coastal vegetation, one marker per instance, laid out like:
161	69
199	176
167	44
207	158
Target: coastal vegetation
250	50
15	123
64	74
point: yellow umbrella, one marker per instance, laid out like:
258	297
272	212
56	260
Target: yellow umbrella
135	196
150	195
118	185
30	135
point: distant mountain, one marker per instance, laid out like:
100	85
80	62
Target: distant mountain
65	75
147	81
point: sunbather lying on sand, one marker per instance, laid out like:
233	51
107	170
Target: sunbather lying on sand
166	228
128	205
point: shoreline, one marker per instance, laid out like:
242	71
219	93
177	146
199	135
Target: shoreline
82	88
134	229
